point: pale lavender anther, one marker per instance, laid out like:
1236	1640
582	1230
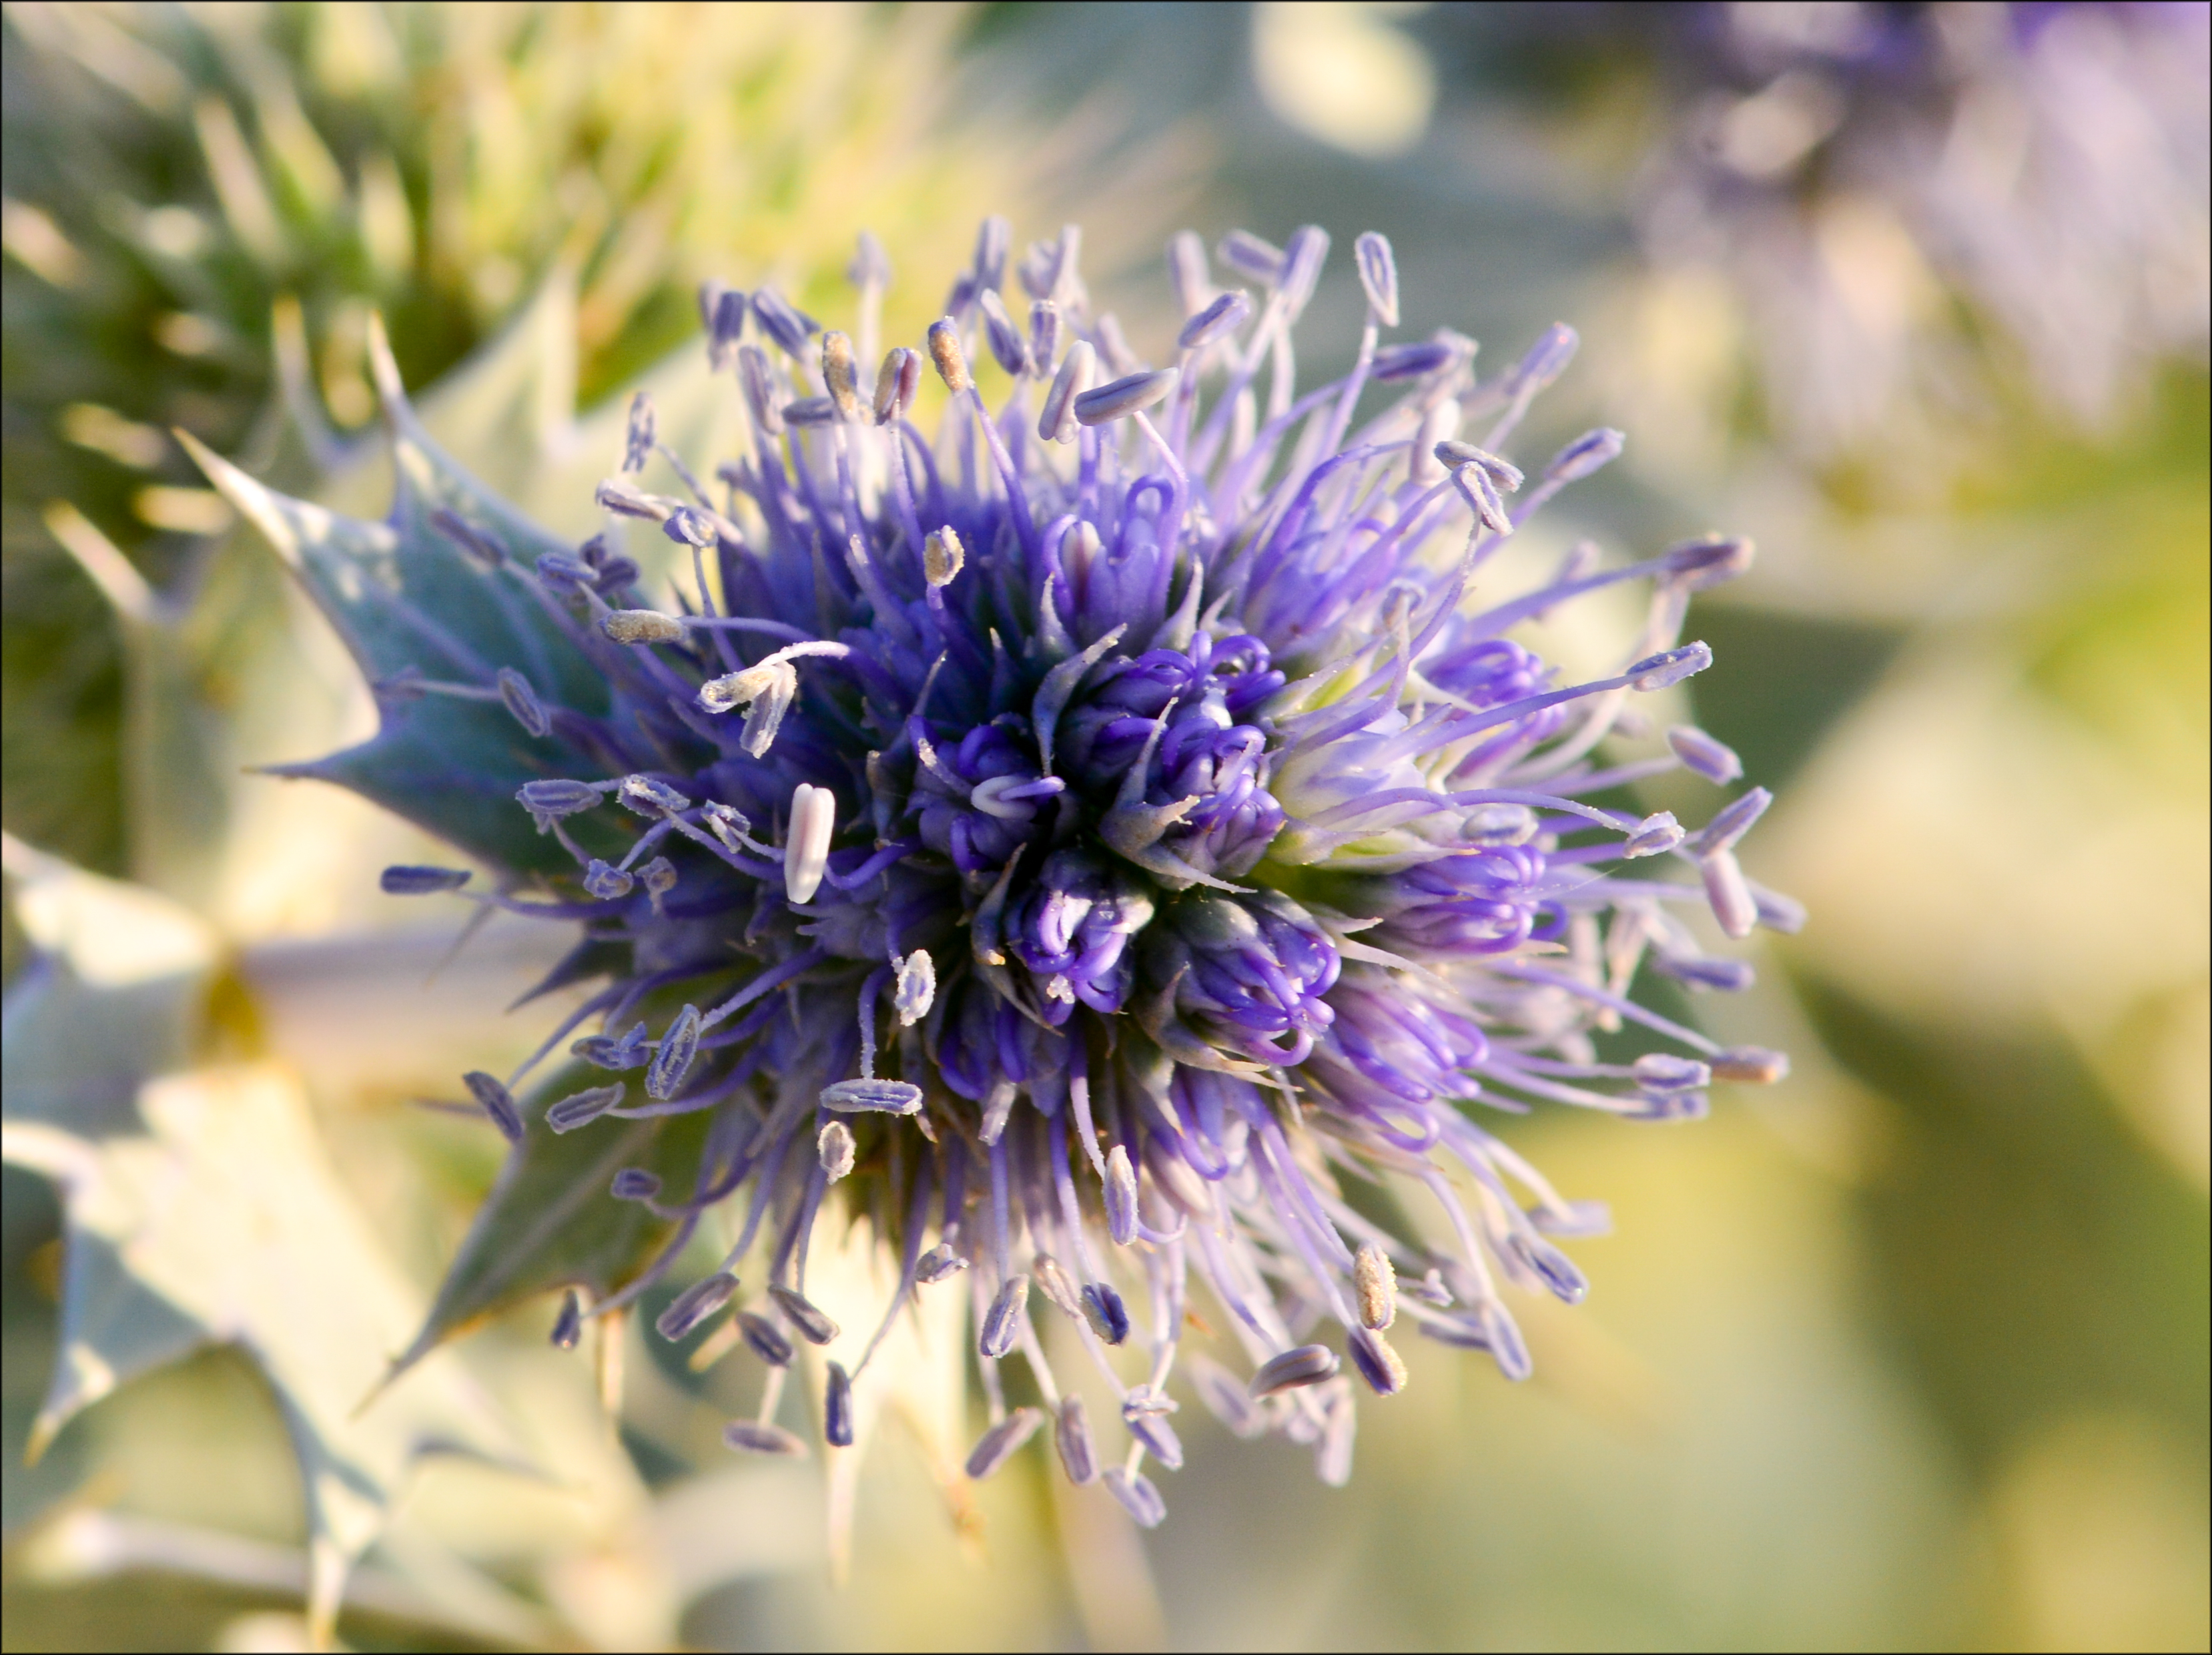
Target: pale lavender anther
1121	397
1134	1490
494	1099
1714	760
1305	1364
1378	276
998	1444
1669	667
1078	1455
582	1108
691	1307
813	1324
1002	1322
1654	836
421	881
679	1046
1226	314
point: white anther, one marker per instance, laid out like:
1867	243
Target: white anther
1374	1283
806	841
942	557
917	988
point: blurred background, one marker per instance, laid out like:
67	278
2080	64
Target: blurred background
1910	1352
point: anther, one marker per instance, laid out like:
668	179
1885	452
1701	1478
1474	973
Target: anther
896	384
1121	1196
1078	1456
1103	1309
650	798
1004	339
679	1046
788	327
1554	1267
806	842
839	375
1589	453
1380	1365
1699	752
944	352
521	700
1727	893
1498	824
1375	1285
637	447
569	1325
1002	1322
605	881
1752	1065
1225	315
1186	272
873	1097
1247	254
1709	562
581	1107
1305	1364
1134	1490
1732	821
837	1407
753	1437
695	1304
765	1339
641	626
916	989
1415	359
936	1263
421	881
689	526
1656	834
1669	667
658	879
942	556
1056	420
834	1145
635	1183
1056	1287
497	1101
1158	1436
998	1444
815	1326
1378	275
757	380
1130	394
1663	1071
1044	335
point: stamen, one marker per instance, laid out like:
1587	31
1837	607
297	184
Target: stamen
1053	1280
1732	822
635	1183
998	1444
581	1107
1078	1456
1374	1286
942	556
521	700
807	1317
806	842
1754	1065
863	1097
834	1145
1125	396
1706	756
944	352
569	1326
762	399
1380	1366
1661	1071
1056	420
896	382
607	883
1655	834
695	1304
837	1407
936	1263
643	432
1002	1323
1121	1196
1225	315
641	626
1134	1490
1306	1364
1153	1432
1669	667
1378	276
672	1061
838	375
1103	1309
765	1339
917	988
497	1101
1699	564
757	1437
417	881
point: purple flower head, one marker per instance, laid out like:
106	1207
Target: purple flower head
1072	854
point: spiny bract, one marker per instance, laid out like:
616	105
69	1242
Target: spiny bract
1103	840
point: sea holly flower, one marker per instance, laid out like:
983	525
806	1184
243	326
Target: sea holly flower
1072	844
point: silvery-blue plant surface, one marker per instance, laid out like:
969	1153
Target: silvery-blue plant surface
1102	844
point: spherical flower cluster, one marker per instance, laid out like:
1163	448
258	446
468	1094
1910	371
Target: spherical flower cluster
1089	847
